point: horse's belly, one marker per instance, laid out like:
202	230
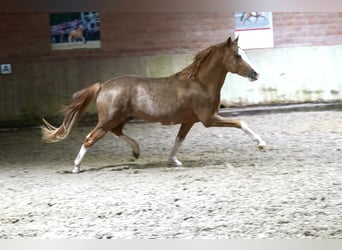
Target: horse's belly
164	114
164	111
161	106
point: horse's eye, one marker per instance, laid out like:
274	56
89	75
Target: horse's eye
238	57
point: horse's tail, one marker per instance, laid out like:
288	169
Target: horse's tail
72	113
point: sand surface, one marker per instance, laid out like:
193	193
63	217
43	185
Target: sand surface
226	188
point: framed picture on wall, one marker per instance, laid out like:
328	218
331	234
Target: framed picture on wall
75	30
255	29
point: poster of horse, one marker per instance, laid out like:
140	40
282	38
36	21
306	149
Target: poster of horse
75	30
255	29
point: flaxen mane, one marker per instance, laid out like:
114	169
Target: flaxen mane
192	70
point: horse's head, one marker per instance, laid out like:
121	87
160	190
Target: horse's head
237	62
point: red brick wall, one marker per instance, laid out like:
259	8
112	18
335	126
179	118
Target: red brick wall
163	33
307	29
25	36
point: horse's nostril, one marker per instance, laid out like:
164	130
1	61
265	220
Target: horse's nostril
256	75
253	75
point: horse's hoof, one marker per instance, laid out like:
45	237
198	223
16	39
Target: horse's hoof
136	154
76	170
174	161
262	146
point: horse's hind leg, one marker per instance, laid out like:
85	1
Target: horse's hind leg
96	134
183	131
131	142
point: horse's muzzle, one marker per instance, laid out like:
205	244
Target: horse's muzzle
253	76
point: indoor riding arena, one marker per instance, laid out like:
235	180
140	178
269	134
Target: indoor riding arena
266	165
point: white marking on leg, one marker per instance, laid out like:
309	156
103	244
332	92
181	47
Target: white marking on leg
79	159
172	157
261	143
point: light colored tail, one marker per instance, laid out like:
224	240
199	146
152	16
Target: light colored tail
72	113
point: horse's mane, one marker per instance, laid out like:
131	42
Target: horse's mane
192	70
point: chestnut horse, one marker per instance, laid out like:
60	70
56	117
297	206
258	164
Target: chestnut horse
189	96
77	34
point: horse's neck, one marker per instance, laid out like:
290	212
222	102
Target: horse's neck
212	72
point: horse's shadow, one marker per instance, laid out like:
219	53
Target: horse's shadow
187	164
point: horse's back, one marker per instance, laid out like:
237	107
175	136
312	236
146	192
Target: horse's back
132	83
140	88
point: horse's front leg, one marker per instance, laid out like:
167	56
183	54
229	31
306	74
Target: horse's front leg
183	131
219	121
255	137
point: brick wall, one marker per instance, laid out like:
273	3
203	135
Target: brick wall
163	33
307	29
25	36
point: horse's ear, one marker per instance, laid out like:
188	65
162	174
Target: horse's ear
236	39
229	42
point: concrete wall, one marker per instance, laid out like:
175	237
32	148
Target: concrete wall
289	75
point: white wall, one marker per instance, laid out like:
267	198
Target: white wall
289	75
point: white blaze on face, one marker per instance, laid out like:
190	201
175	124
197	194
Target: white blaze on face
245	58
